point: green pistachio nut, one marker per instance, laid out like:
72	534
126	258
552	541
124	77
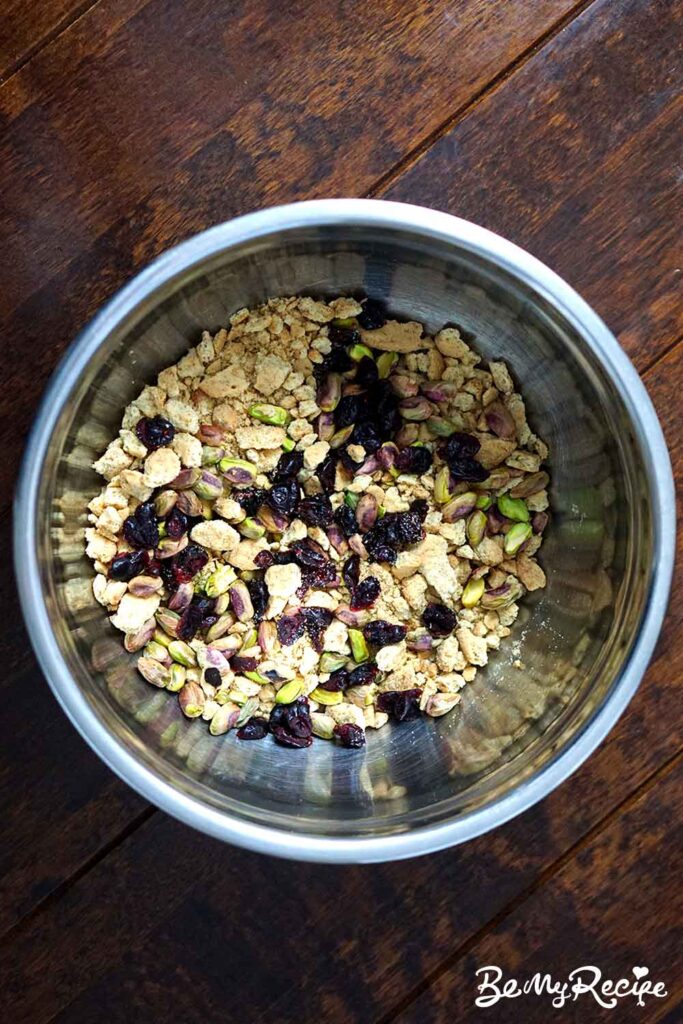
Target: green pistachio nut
219	580
360	351
513	508
330	662
178	678
238	471
274	415
290	691
359	648
514	538
472	593
442	482
385	364
326	697
288	445
476	527
182	653
484	501
252	529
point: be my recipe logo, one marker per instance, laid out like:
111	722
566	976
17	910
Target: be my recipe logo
586	983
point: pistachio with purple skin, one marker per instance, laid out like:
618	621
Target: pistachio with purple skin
366	512
189	503
439	391
238	471
145	586
220	627
209	486
354	619
164	503
499	420
459	507
501	597
386	454
168	547
211	657
441	703
337	539
403	386
168	620
211	434
370	466
419	640
227	645
186	478
407	434
179	601
224	719
539	521
240	601
495	521
273	521
136	641
267	636
192	700
415	409
357	546
330	392
210	456
497	478
531	484
153	672
325	426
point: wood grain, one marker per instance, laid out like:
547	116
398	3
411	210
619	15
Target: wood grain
574	158
623	875
173	919
26	28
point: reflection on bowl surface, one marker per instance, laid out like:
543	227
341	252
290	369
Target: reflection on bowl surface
583	643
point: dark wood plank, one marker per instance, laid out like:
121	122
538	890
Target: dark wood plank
173	920
575	158
28	27
616	905
141	125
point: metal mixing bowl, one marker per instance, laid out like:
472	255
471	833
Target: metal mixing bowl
580	646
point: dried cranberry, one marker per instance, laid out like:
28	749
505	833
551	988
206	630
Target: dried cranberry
346	520
250	498
459	445
309	553
212	676
367	435
255	729
400	704
381	633
154	568
337	361
188	562
439	620
176	524
316	621
466	469
384	405
140	529
323	577
290	628
241	664
351	409
327	471
382	552
289	464
372	315
125	567
351	572
286	739
339	680
350	735
367	373
365	594
420	508
154	432
195	617
283	497
363	675
297	720
415	459
344	336
258	592
315	511
394	531
264	559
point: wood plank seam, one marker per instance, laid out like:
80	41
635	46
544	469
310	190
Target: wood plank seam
539	882
59	29
414	155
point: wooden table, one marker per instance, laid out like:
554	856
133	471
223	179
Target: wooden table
126	126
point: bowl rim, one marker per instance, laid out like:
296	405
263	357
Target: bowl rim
481	242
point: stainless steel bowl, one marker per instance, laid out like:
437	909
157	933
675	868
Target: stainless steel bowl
583	643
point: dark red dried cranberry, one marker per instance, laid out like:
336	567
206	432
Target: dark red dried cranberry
176	524
286	739
241	664
351	572
394	531
140	529
381	633
255	729
382	552
351	409
323	577
439	620
289	464
365	594
400	704
297	719
367	435
290	628
350	735
283	497
309	553
363	675
367	373
188	562
154	432
315	511
420	507
344	336
316	621
264	559
154	568
384	405
327	471
469	470
250	498
339	680
125	567
258	592
337	361
459	444
197	615
346	520
212	676
372	315
415	459
291	724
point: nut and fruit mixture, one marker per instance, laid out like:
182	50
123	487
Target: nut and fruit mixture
319	520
